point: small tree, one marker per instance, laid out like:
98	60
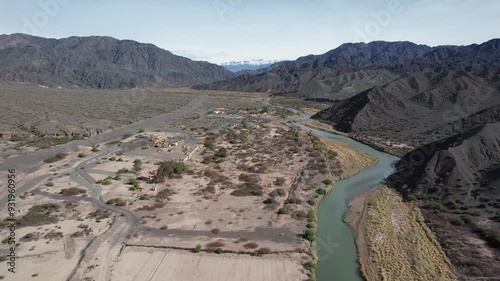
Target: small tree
169	169
137	165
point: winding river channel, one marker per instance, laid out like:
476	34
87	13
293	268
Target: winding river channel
336	249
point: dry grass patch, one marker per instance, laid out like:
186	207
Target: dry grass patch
351	159
399	243
321	126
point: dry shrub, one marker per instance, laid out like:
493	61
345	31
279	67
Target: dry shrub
299	215
251	245
215	244
263	251
241	239
151	208
77	234
52	234
215	231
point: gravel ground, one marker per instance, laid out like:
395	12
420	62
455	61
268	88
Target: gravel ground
38	110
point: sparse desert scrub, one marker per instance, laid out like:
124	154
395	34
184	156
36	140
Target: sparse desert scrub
215	244
53	235
164	195
116	202
151	208
99	214
248	189
72	191
39	215
57	157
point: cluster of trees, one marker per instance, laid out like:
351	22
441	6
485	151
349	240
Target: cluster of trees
168	170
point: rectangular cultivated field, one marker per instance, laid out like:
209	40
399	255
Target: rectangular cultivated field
162	264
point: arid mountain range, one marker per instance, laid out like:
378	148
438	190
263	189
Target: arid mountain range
355	67
99	62
441	104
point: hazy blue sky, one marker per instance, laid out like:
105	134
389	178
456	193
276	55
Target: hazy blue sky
225	30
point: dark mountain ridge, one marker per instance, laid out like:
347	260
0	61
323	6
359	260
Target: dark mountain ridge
99	62
355	67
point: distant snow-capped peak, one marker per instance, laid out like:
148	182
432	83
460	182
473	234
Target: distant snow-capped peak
236	66
250	62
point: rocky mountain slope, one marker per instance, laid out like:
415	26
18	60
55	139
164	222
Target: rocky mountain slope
415	109
99	62
339	72
355	67
457	182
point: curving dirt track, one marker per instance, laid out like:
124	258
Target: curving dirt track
30	160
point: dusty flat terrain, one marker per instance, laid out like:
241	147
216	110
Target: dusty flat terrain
79	111
238	196
138	263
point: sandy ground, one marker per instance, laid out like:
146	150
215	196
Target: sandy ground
67	111
357	215
36	258
138	263
190	215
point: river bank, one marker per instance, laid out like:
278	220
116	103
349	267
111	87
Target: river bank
336	250
354	217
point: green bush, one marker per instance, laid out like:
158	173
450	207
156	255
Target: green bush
72	191
81	155
197	249
270	201
437	206
132	181
123	171
107	181
490	235
310	266
283	211
310	234
457	221
321	191
221	153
